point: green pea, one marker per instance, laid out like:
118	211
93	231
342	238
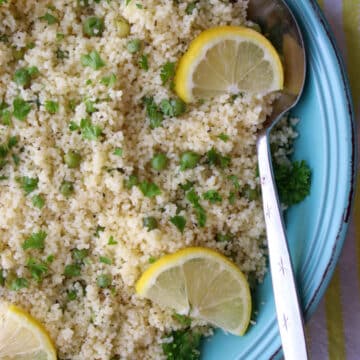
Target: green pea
150	223
103	281
72	159
159	162
67	188
188	160
93	26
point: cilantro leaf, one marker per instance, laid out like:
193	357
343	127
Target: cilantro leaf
293	182
21	108
90	131
52	107
179	222
35	241
92	60
215	158
167	72
190	7
72	270
19	283
38	201
153	113
28	184
143	62
49	18
184	345
212	196
37	269
194	198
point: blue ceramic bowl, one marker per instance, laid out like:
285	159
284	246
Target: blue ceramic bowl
316	228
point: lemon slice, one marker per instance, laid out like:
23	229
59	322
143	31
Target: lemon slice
22	337
228	59
201	283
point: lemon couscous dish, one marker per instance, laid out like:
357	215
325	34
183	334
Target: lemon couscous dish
117	167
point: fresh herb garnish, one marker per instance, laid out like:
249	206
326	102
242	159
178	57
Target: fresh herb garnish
21	108
143	62
23	76
118	151
105	260
79	255
188	160
28	184
149	189
131	181
224	237
37	269
172	107
167	72
52	107
159	161
104	281
38	201
133	46
190	7
67	188
92	60
293	182
90	131
212	196
18	284
150	223
35	241
179	222
72	159
216	159
194	198
182	319
72	270
93	26
111	241
49	18
224	137
153	113
109	80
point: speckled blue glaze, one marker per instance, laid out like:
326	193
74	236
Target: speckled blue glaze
316	228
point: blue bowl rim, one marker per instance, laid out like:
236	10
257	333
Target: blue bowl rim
341	234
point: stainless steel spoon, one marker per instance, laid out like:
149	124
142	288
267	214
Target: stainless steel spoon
279	25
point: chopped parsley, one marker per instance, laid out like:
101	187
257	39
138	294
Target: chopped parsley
172	107
182	319
98	230
250	193
109	80
72	270
52	107
143	62
28	184
104	281
150	223
188	160
38	201
293	182
234	179
153	113
159	162
23	76
152	259
90	106
118	151
194	198
2	277
105	260
37	269
149	189
18	284
212	196
35	241
49	18
111	241
167	72
133	46
62	54
92	60
224	137
67	188
179	222
131	181
184	345
93	26
216	159
21	108
79	255
90	131
223	237
190	7
72	295
72	159
231	198
187	186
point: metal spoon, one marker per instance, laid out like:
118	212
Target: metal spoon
279	25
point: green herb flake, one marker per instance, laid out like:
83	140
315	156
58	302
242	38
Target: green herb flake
21	108
250	193
22	77
28	184
182	319
223	237
118	151
18	284
234	179
37	269
167	72
153	113
184	345
149	189
231	198
92	60
79	255
98	230
144	62
49	18
104	281
93	26
216	159
50	259
150	223
90	131
72	159
62	54
131	181
172	107
152	259
38	201
105	260
52	107
188	160
72	295
111	241
72	270
35	241
133	46
212	196
2	277
293	182
200	213
191	7
159	162
109	80
224	137
179	222
60	36
73	126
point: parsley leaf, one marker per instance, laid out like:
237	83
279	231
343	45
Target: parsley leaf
37	269
111	241
182	319
19	283
212	196
52	107
153	113
184	345
215	158
179	222
150	223
143	62
194	198
118	151
72	270
149	189
38	201
105	260
293	182
104	281
133	46
51	19
92	60
172	107
108	80
90	131
224	137
167	72
35	241
28	184
190	7
23	76
21	108
93	26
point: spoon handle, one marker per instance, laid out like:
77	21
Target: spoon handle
288	310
